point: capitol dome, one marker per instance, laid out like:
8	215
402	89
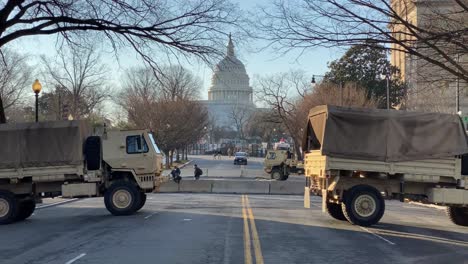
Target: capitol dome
230	82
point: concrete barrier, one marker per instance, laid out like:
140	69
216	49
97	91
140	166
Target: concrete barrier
287	187
253	187
200	186
169	186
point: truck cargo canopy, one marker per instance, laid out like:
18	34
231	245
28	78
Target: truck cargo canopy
383	135
42	144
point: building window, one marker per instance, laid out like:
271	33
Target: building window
136	144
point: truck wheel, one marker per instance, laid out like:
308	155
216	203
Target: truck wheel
277	175
335	211
458	215
26	208
8	207
142	201
122	198
363	205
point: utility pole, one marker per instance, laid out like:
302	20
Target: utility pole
388	92
457	102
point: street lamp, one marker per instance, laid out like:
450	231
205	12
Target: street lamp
313	82
37	87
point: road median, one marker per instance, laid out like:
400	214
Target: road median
231	186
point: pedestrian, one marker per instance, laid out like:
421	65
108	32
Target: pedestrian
229	152
198	172
176	174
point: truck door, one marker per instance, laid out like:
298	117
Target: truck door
139	156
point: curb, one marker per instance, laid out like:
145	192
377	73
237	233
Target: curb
185	164
438	207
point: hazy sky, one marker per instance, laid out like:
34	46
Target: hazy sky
263	63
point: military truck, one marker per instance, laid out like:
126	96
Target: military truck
356	158
49	159
280	162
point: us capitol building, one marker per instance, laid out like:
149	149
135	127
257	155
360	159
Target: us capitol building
229	95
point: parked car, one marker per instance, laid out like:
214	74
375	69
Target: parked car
240	158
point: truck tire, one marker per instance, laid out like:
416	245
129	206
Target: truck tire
363	205
8	207
458	215
92	152
277	174
26	208
335	211
142	201
122	198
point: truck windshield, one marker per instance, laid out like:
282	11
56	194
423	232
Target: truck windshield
154	143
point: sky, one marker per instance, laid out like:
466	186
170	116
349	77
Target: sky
313	62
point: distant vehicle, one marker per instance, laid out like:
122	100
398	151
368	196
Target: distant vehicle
240	158
49	159
279	163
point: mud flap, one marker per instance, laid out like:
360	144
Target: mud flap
324	196
307	197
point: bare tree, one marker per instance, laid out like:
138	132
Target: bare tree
178	83
281	93
436	36
15	76
180	28
240	115
80	77
176	120
289	109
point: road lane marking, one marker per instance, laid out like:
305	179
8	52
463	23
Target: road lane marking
76	258
374	234
247	250
149	216
256	239
58	203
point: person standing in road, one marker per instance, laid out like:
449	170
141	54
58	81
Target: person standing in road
229	152
198	172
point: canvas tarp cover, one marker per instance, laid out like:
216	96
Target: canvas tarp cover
384	135
42	144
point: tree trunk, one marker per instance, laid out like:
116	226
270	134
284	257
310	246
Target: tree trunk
2	112
172	156
298	151
168	164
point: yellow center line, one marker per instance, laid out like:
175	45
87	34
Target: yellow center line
256	239
247	250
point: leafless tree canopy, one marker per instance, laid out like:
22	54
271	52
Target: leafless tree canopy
15	76
80	79
191	27
179	28
304	24
165	104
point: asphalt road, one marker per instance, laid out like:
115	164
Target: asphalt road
228	229
213	228
225	168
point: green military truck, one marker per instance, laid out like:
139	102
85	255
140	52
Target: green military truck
49	159
356	158
280	162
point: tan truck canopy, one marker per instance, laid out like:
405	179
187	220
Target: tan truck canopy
42	144
383	135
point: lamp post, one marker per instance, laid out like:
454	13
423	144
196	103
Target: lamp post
313	82
37	87
457	96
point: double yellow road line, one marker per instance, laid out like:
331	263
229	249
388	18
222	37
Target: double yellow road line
247	214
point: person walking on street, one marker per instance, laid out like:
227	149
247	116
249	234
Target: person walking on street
198	172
